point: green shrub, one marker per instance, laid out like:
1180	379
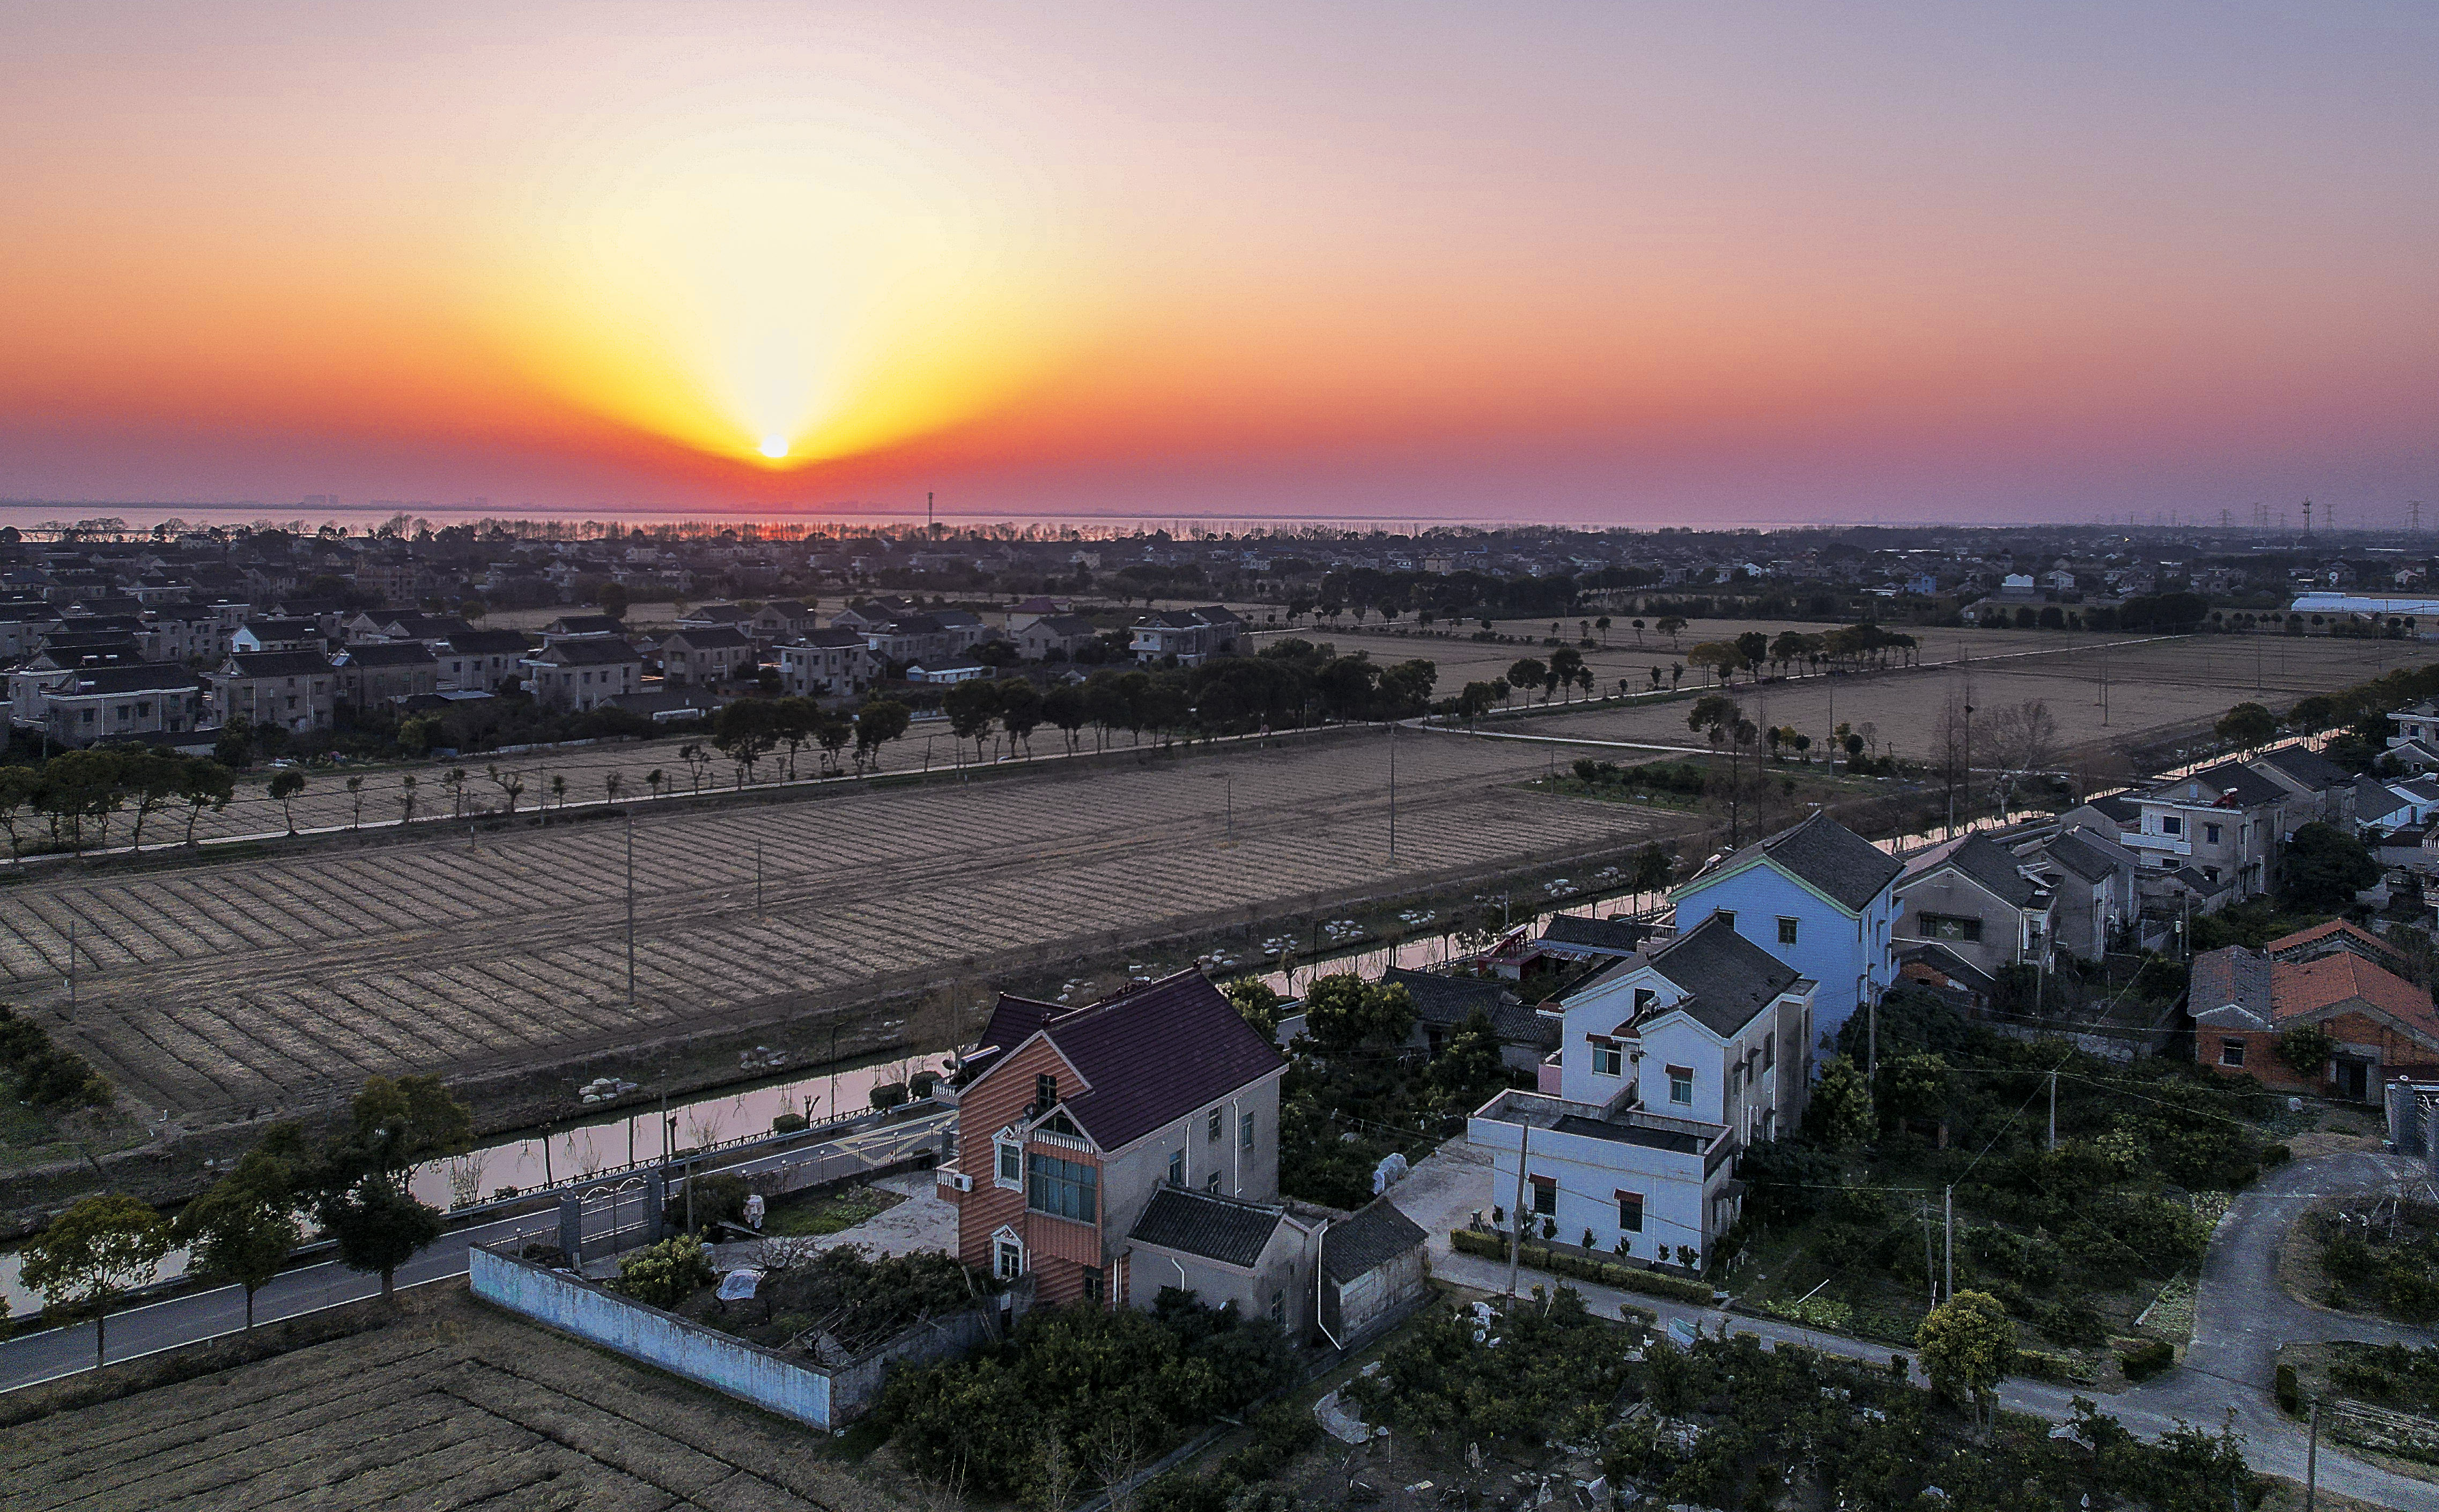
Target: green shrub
2044	1365
888	1094
2146	1361
665	1274
2276	1154
2291	1392
1604	1273
788	1123
719	1198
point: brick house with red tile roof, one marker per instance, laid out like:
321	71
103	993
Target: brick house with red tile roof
1071	1121
2242	1001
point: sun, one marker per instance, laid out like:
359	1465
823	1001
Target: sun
775	446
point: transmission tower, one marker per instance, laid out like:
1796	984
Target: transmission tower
2307	517
2222	519
2413	514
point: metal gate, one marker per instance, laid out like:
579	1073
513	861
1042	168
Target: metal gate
610	1216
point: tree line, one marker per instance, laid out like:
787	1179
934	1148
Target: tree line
72	800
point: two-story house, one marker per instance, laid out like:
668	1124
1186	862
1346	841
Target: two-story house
2325	787
374	672
698	658
1968	911
1111	1149
1191	636
583	671
293	690
1817	896
2090	879
1669	1063
81	706
824	663
2213	836
481	661
1063	635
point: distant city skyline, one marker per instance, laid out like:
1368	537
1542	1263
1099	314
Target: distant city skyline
1588	264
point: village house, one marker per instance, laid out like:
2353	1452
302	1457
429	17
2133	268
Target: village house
2090	879
81	706
779	621
1669	1063
824	663
1109	1151
1063	635
374	672
582	672
2337	977
1970	912
276	635
290	690
1817	896
1191	636
699	658
481	661
583	626
2213	836
1442	1003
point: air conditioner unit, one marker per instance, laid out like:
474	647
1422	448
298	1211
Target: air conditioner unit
957	1179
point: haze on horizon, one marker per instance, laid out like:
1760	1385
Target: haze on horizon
1582	262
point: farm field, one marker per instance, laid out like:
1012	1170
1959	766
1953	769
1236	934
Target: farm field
457	1406
284	981
2153	686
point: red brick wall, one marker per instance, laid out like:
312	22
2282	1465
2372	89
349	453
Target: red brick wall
1057	1249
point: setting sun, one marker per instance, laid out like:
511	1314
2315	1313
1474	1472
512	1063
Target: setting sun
775	446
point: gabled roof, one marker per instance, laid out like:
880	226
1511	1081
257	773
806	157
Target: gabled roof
150	677
1948	964
1728	978
1448	1001
1987	863
1373	1238
1822	853
2076	854
1616	935
585	625
2230	988
2209	784
387	654
719	614
717	638
2301	987
489	643
587	651
830	639
2308	768
1216	1228
278	663
2374	800
2336	934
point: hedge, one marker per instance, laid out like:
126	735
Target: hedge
2043	1366
1561	1262
2146	1361
2291	1392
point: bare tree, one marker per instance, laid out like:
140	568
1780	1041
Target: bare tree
2024	737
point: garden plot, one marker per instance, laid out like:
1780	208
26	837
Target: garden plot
456	1408
284	981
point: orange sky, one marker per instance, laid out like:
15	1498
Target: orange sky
1585	262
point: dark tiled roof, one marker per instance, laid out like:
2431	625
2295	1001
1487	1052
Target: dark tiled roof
1156	1053
2120	807
2311	768
1613	935
150	677
1948	964
586	625
2081	857
488	642
1825	854
1213	1227
830	638
1449	1000
1367	1241
388	653
1991	866
2251	787
1064	625
279	664
608	649
1730	977
720	638
2233	975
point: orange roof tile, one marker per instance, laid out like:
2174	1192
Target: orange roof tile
2335	926
2308	986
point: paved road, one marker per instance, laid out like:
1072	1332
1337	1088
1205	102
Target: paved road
2241	1317
33	1358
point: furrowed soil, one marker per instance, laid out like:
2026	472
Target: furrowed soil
451	1405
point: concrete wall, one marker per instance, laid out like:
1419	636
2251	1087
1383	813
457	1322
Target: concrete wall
822	1397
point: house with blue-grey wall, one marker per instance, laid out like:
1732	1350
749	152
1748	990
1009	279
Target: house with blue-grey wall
1817	896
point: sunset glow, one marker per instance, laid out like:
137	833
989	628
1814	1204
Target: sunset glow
1606	264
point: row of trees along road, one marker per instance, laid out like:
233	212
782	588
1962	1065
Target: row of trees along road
75	795
353	1183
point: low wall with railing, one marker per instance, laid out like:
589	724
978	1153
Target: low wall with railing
825	1397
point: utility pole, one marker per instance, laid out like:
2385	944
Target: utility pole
758	876
2312	1459
2053	1108
1516	1214
72	968
1392	788
1931	1274
631	912
1948	1219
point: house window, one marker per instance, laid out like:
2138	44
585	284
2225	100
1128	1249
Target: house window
1245	1132
1644	998
1681	1085
1608	1058
1215	1125
1950	926
1629	1212
1062	1188
2171	825
1546	1196
1008	1260
1177	1167
1725	916
1092	1282
2230	1052
1785	930
2210	834
1045	1092
1011	1163
1279	1307
1768	1056
1211	1182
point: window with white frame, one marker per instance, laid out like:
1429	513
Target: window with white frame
1681	1085
1608	1058
1007	1256
1214	1136
1008	1171
1245	1130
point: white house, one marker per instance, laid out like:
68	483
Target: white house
1669	1063
1817	896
